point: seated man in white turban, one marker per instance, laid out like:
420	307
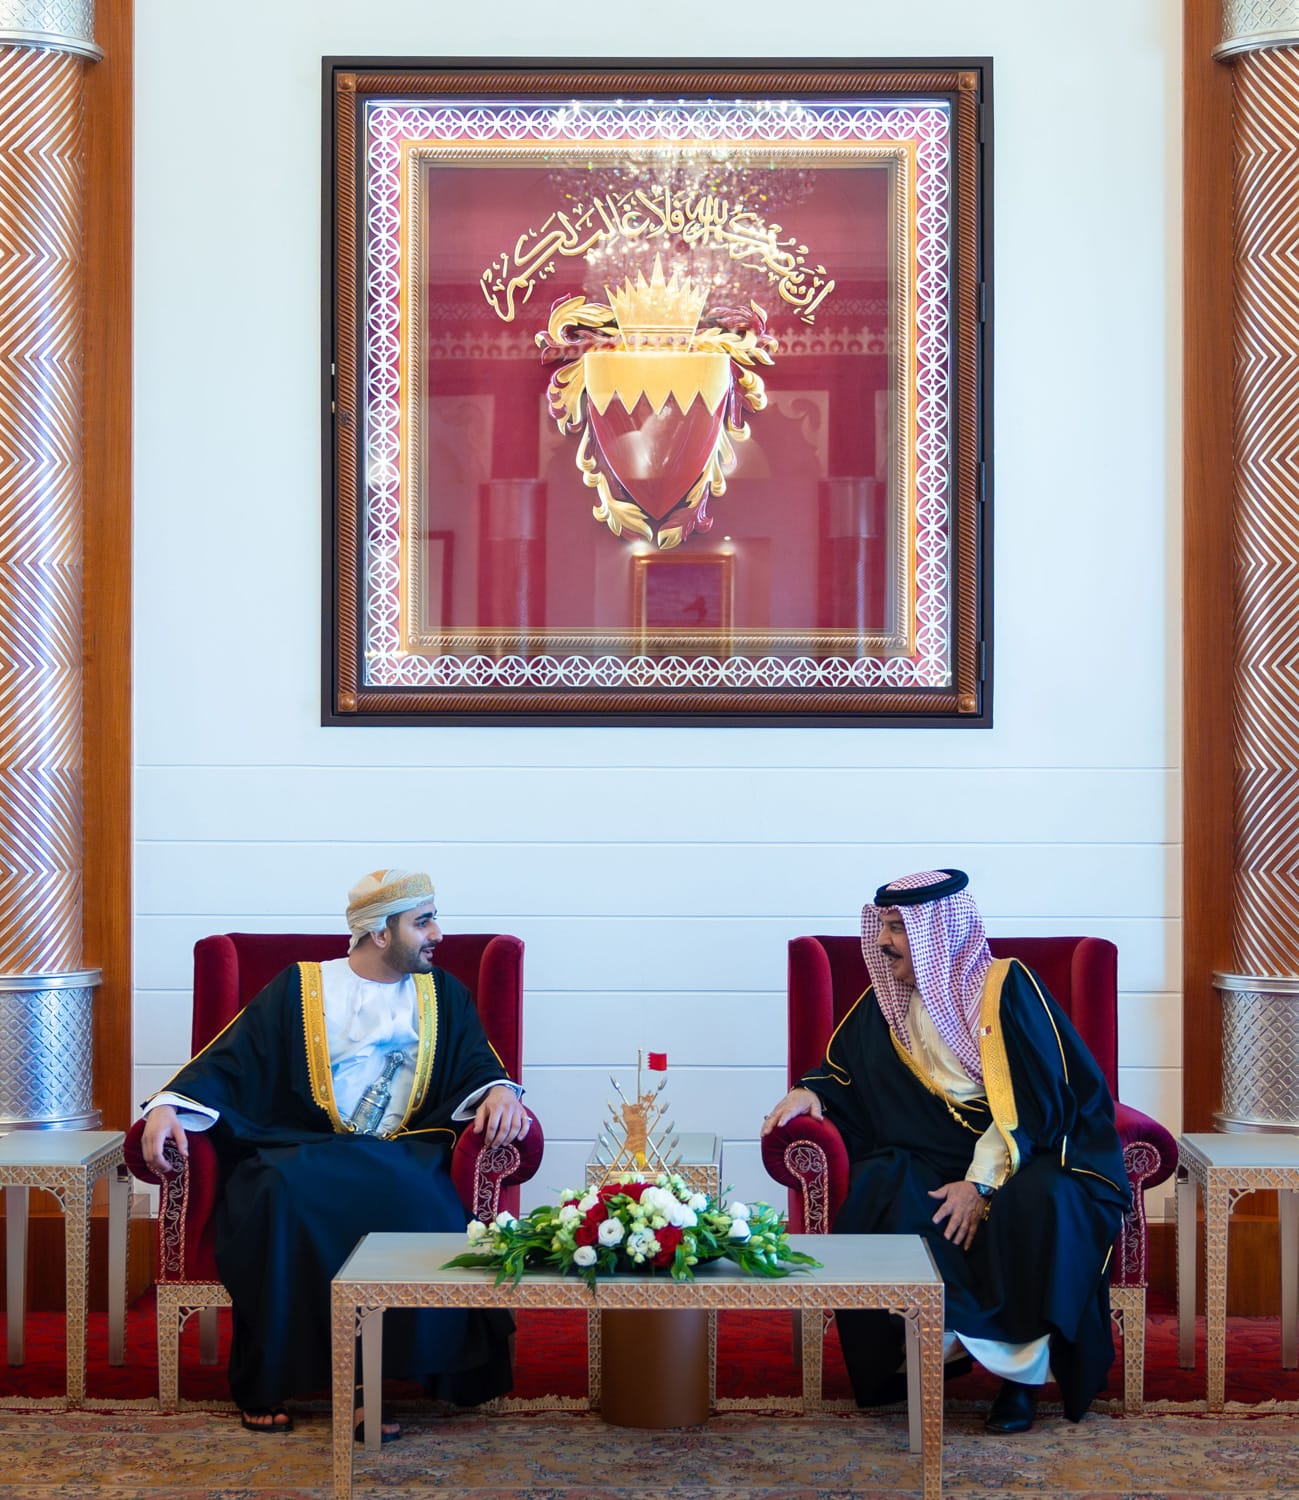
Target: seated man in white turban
332	1098
974	1116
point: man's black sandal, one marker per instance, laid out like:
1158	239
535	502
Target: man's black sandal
266	1411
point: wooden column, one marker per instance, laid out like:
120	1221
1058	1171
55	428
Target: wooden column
46	992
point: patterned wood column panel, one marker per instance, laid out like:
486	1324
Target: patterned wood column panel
42	169
1266	917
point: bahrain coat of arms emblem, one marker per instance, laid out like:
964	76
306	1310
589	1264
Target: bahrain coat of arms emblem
656	386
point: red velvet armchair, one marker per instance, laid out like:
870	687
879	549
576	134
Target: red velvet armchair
828	974
229	970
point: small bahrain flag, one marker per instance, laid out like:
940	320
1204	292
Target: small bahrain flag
657	1062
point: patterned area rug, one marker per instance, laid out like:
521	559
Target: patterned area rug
569	1456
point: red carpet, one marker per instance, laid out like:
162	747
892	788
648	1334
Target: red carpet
755	1359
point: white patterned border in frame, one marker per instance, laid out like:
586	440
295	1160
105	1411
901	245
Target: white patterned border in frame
388	124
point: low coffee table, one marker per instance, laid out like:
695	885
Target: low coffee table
892	1272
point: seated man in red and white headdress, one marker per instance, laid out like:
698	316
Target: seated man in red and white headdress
973	1115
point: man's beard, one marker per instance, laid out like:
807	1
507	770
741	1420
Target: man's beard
409	957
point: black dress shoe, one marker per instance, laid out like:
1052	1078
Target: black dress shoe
890	1390
1014	1408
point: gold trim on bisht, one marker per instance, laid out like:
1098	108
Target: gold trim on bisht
953	1105
317	1038
996	1065
318	1064
426	990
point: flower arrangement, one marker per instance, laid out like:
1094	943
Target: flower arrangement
660	1225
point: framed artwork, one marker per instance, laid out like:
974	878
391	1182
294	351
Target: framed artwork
656	393
681	598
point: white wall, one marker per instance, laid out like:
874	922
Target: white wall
656	874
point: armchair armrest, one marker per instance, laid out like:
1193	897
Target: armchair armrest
1149	1158
487	1177
809	1157
186	1201
1149	1150
135	1162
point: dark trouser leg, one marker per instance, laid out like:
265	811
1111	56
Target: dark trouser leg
874	1346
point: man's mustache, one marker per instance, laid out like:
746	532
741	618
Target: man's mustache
890	953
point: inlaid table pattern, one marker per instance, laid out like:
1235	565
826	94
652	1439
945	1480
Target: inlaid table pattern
892	1272
68	1164
1225	1167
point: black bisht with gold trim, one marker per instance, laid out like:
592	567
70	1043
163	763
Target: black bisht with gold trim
1040	1263
299	1190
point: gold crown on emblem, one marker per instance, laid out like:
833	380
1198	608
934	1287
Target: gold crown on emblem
658	313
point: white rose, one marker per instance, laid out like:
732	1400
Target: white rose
584	1255
738	1210
739	1230
568	1213
476	1231
687	1219
587	1202
697	1201
641	1243
505	1221
610	1232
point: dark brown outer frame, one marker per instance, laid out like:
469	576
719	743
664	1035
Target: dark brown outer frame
967	703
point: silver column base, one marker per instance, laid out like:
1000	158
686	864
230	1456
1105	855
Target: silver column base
46	1070
1260	1053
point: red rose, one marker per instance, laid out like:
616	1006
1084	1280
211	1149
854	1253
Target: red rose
669	1238
632	1190
586	1232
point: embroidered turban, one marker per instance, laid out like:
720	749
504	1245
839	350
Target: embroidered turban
949	952
382	894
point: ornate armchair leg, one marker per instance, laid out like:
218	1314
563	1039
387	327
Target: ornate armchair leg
169	1324
1128	1304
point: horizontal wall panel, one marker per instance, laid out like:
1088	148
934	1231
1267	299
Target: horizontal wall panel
571	1102
796	879
163	1021
148	1080
637	954
1150	1030
727	803
606	1028
1156	1092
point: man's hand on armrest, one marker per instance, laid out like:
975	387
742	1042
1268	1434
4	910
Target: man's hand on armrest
501	1118
161	1125
797	1102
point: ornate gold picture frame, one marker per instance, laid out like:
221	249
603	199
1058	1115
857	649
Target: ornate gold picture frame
592	334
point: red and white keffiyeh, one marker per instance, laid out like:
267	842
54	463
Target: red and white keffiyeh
951	957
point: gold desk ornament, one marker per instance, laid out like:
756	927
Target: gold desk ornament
633	1142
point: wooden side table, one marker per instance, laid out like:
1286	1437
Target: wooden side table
1225	1167
701	1167
68	1164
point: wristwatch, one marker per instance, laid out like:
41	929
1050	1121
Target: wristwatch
984	1189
